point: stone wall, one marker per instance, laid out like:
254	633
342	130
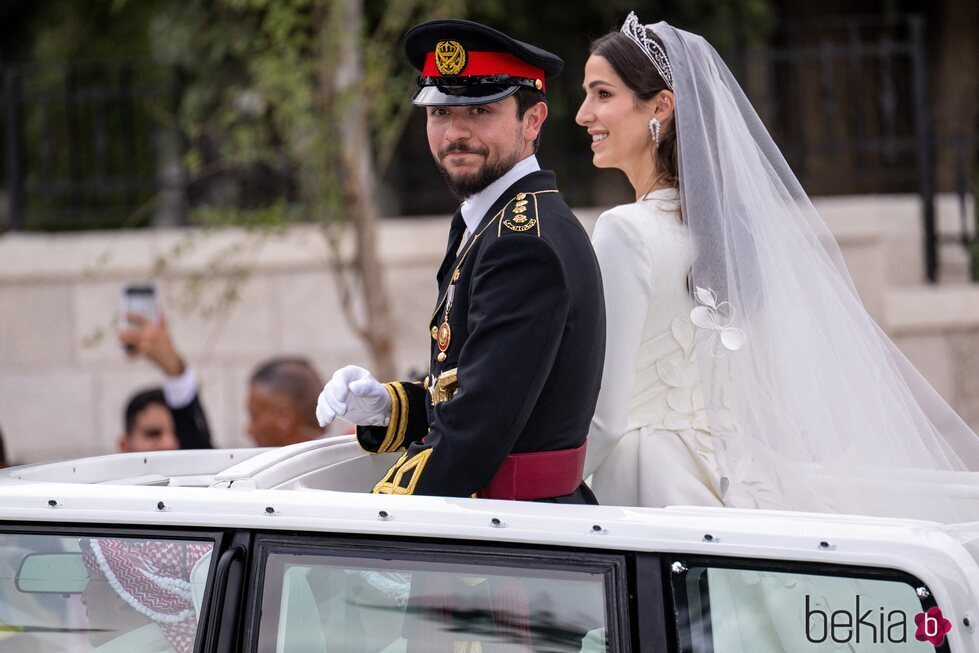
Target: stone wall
64	379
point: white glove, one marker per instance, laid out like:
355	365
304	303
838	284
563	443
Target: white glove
353	394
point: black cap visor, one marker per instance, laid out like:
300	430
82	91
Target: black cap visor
448	96
442	94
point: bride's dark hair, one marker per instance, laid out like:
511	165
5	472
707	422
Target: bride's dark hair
633	66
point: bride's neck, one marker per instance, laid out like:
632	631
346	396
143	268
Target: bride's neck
645	178
658	185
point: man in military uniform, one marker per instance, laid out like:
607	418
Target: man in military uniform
519	325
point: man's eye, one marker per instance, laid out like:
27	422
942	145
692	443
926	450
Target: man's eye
153	434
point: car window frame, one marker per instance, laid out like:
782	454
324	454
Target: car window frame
676	591
652	612
618	594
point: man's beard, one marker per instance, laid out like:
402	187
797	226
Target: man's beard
468	185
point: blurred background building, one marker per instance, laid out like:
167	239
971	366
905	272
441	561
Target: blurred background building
212	140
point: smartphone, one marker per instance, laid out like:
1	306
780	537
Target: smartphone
137	298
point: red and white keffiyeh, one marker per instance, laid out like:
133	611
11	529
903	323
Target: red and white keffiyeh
153	577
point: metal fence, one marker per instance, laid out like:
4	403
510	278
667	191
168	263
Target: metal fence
847	100
82	143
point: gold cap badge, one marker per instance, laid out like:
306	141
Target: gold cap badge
450	57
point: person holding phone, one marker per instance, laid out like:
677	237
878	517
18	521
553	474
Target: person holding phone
281	393
144	333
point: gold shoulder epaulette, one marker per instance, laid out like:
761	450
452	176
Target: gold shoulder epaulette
520	214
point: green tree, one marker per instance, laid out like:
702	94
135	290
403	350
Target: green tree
314	91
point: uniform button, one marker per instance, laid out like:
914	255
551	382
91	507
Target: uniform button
441	357
435	333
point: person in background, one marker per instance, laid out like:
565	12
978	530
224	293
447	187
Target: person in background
282	394
281	400
167	417
139	596
148	424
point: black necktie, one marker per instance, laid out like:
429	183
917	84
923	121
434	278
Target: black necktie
456	231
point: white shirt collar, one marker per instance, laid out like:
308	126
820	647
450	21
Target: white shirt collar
475	207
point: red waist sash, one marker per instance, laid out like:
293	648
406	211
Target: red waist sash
537	475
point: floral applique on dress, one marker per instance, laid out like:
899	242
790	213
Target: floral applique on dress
717	317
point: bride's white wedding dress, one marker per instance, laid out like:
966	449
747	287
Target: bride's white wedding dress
649	444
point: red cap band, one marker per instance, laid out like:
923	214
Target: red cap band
483	64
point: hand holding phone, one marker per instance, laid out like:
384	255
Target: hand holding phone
137	300
143	330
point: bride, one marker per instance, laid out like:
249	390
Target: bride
741	368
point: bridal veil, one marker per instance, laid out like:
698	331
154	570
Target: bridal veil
811	405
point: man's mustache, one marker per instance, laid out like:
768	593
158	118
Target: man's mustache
462	147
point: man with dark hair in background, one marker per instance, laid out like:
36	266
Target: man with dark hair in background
282	397
148	423
167	417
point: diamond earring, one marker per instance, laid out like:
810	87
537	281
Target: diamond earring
654	125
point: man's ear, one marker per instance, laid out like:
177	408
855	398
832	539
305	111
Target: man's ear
289	419
533	121
123	444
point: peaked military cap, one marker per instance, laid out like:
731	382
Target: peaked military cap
462	62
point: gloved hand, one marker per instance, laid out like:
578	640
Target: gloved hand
356	396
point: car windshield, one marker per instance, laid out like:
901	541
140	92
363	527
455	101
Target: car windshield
105	594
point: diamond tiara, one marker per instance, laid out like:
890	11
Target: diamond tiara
636	31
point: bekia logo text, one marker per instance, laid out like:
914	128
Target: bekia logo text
873	625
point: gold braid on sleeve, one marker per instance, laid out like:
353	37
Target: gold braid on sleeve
394	438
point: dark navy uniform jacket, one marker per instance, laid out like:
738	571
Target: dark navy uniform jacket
523	363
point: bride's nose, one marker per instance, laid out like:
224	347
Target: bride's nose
584	115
